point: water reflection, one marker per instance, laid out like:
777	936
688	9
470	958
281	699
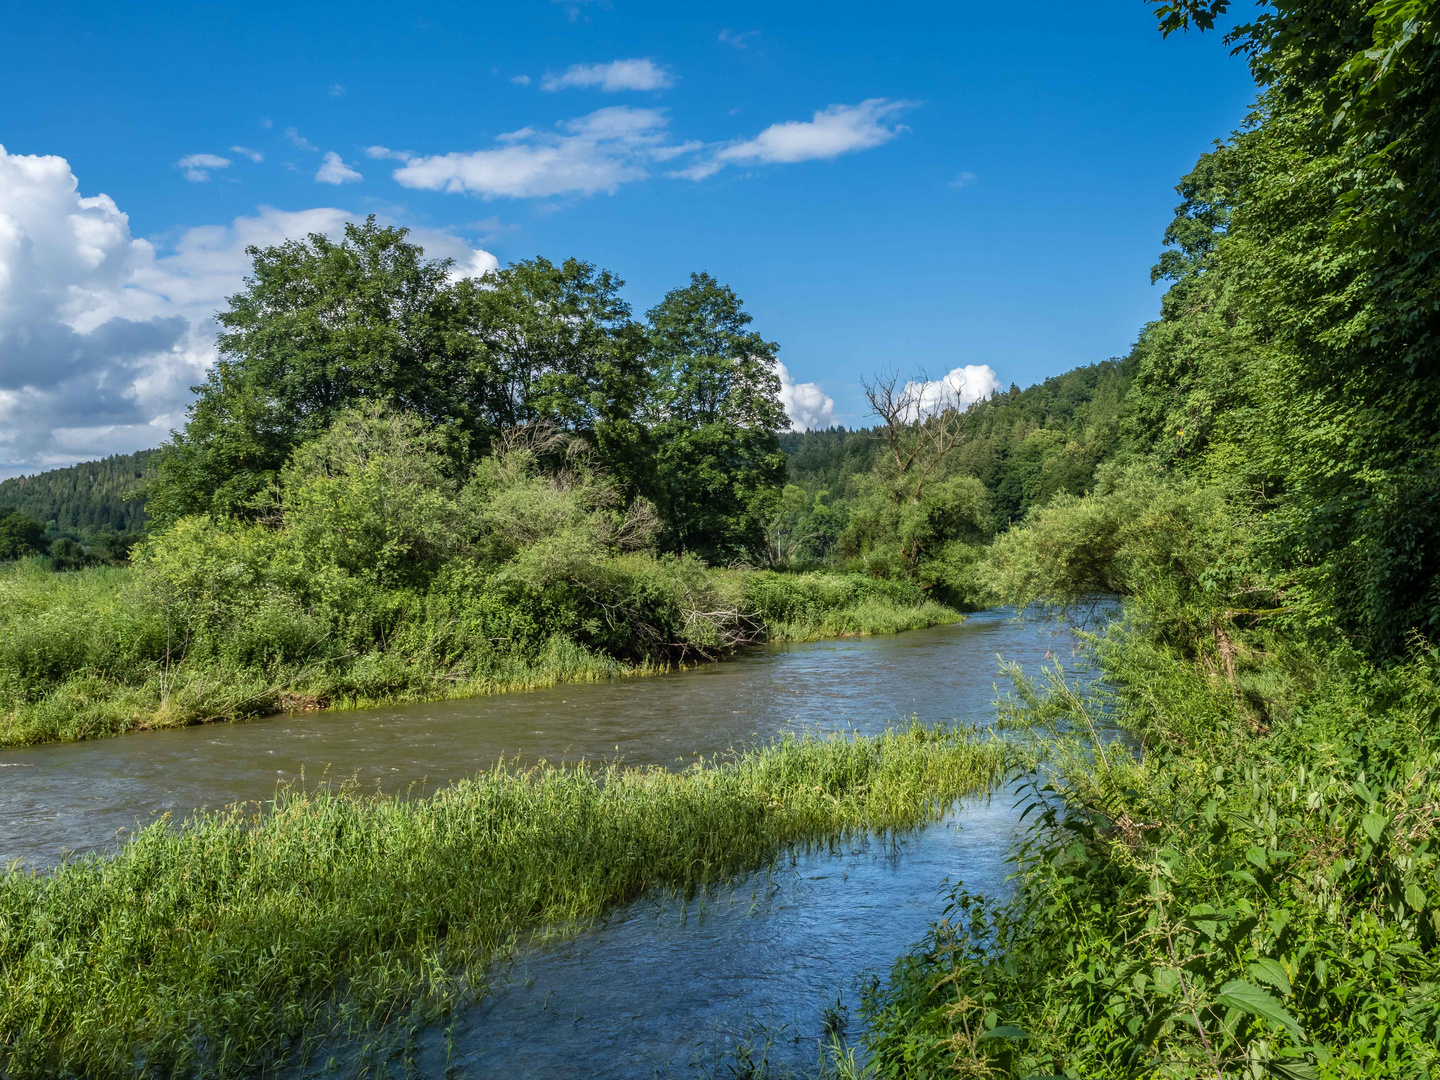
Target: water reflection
664	988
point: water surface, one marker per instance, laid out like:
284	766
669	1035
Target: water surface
79	797
660	987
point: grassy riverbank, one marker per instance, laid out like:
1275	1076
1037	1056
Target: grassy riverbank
1257	894
102	651
224	946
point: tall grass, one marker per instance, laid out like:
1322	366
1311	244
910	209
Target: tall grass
233	943
808	607
95	652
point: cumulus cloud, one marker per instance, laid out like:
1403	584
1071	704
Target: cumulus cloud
960	387
642	74
805	403
101	334
380	152
836	130
245	151
593	153
334	171
198	166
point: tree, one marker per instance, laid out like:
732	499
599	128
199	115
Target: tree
714	416
1298	353
914	502
320	326
19	535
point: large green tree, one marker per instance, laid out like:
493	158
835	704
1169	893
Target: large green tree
20	535
1298	355
714	417
320	326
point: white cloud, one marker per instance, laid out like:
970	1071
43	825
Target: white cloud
244	151
520	80
198	166
962	386
839	129
963	180
335	171
594	153
385	152
740	41
641	74
101	336
299	140
806	404
336	90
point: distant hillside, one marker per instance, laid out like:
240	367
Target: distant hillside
82	499
1024	445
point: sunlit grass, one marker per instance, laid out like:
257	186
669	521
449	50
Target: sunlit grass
235	942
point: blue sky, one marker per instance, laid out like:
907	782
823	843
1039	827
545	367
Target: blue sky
913	186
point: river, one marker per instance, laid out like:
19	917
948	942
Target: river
660	987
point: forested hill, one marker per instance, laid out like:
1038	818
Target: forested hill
82	499
1023	445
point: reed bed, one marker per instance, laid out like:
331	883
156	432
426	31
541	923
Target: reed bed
241	941
93	653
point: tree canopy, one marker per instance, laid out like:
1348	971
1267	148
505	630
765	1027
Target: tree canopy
683	408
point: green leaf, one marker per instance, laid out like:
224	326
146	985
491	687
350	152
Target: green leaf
1374	825
1272	972
1251	999
1415	897
1152	1029
1006	1031
1292	1070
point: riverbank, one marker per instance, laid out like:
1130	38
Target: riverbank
227	944
100	652
1257	892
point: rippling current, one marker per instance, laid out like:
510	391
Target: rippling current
660	987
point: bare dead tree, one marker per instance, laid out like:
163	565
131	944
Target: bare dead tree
921	424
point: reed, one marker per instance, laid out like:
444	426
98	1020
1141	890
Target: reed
236	942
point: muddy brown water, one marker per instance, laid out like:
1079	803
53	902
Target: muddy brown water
660	987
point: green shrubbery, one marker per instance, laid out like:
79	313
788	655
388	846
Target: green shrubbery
371	572
1256	894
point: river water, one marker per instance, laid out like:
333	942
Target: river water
661	987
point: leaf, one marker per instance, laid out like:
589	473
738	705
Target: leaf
1152	1029
1249	998
1272	972
1415	897
1292	1070
1006	1031
1374	825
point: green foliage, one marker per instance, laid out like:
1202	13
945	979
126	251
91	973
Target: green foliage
242	942
806	607
83	500
683	409
19	535
1023	446
1254	893
1296	358
370	571
319	327
713	420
